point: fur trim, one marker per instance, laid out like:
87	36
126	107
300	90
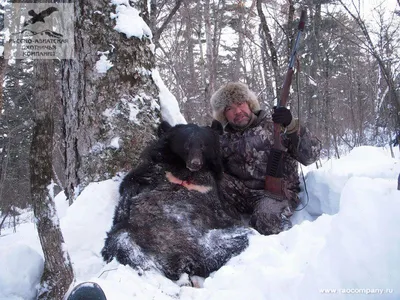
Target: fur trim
233	92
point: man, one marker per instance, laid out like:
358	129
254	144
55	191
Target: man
245	146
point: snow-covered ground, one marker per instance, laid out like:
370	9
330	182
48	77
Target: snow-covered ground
345	244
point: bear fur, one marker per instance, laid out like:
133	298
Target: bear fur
170	216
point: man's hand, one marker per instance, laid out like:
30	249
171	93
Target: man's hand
282	115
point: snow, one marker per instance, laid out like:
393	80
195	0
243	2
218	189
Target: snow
344	245
115	143
325	185
50	189
142	71
85	224
103	64
98	12
21	269
133	108
170	111
97	148
128	20
312	81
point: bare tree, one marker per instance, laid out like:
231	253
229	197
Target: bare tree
289	27
2	70
210	53
271	46
58	274
2	61
159	31
372	48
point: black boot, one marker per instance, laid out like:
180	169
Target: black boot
87	291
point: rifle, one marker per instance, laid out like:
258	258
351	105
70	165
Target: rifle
273	179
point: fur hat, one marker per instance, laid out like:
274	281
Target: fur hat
233	92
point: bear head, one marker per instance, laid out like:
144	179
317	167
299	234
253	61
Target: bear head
196	146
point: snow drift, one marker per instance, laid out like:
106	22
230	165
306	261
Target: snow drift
344	245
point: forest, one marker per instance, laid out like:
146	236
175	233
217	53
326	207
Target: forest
68	122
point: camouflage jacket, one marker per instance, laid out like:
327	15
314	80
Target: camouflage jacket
245	154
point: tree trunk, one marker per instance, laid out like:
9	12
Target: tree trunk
335	143
58	274
290	27
239	50
209	51
2	70
2	63
264	57
313	91
271	46
109	116
202	59
326	99
398	183
218	16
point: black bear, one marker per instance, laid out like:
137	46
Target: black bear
170	216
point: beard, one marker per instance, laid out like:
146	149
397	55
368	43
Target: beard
241	120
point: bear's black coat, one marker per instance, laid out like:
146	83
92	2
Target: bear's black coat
169	226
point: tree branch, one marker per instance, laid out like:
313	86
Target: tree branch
159	31
386	73
271	45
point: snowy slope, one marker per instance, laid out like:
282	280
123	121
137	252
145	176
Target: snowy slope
351	244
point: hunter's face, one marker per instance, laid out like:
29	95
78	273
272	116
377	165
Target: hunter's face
238	114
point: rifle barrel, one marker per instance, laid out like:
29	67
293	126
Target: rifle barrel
296	44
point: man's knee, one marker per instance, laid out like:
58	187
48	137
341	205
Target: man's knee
236	195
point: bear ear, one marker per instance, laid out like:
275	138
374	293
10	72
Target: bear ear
163	128
217	126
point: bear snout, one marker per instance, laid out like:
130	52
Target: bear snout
194	164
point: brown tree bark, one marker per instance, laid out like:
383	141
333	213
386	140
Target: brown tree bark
58	274
98	107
